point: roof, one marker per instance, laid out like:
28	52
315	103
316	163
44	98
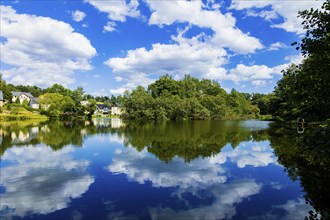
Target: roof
102	106
116	104
1	96
20	93
34	101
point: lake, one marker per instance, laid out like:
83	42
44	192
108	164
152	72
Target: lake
107	169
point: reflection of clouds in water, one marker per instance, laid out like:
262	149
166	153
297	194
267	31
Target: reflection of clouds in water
293	209
41	181
201	178
115	138
141	167
226	196
257	156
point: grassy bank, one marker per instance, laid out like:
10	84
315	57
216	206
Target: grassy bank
20	113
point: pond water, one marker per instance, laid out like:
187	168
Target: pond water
106	169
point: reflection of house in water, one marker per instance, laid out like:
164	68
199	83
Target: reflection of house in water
24	137
45	129
106	122
102	122
0	136
116	123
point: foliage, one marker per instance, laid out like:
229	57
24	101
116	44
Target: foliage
55	104
5	89
90	108
304	89
189	98
263	101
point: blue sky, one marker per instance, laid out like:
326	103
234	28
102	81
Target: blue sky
109	46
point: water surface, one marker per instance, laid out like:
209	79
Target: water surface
106	169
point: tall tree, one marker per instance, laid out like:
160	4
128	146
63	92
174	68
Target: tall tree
304	90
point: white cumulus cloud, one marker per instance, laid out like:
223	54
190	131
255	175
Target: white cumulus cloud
226	34
116	11
277	46
288	10
109	27
40	50
185	56
78	16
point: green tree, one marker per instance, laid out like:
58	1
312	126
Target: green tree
304	90
164	85
56	88
6	90
55	104
90	108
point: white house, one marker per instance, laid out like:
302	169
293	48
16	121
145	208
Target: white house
116	109
102	109
34	103
22	96
1	99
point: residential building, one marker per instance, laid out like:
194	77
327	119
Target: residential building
25	96
34	103
1	99
116	109
102	109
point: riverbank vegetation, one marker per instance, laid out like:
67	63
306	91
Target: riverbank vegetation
17	112
189	98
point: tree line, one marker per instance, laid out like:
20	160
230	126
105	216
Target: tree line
57	100
189	98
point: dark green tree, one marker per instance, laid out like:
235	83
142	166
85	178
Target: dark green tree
304	90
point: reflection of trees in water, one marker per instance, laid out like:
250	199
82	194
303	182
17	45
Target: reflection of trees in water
55	134
188	140
307	158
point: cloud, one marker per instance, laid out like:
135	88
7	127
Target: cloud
258	82
40	50
194	12
109	27
185	56
267	15
258	74
78	16
41	185
100	92
253	72
116	11
119	91
288	10
277	46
